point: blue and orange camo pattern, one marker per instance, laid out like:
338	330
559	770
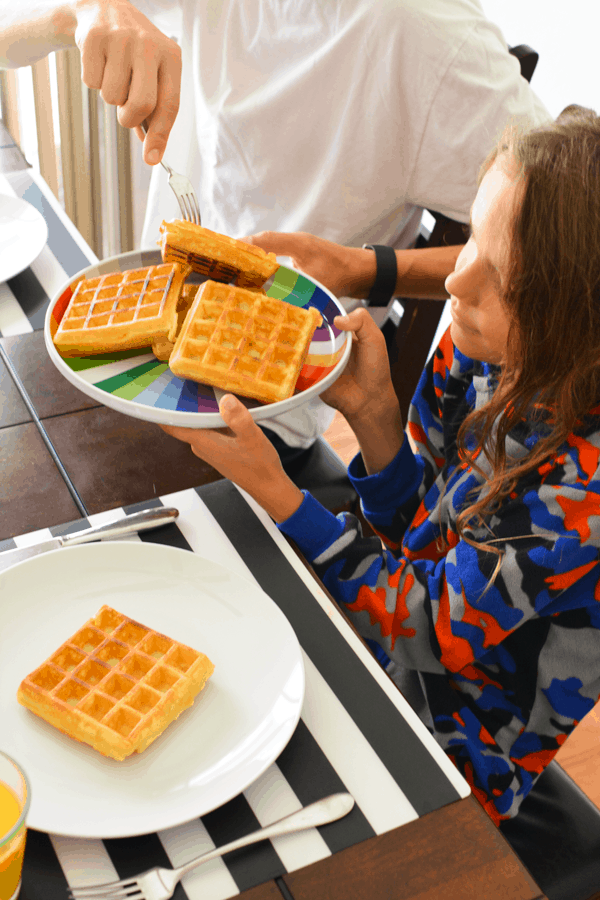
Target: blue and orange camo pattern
510	668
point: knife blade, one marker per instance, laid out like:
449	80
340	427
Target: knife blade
138	521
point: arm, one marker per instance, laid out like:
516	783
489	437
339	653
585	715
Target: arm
363	392
350	271
133	64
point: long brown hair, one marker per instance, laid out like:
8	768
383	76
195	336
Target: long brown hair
553	298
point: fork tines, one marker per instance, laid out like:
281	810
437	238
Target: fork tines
112	890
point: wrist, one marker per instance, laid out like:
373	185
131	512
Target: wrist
64	22
379	431
361	270
386	275
279	497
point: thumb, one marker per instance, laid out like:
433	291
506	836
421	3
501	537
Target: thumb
235	415
355	321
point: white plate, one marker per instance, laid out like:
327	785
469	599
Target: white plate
238	725
23	235
134	382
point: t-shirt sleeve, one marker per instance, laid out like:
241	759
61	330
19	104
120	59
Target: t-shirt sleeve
478	94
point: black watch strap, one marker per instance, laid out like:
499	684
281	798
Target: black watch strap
384	287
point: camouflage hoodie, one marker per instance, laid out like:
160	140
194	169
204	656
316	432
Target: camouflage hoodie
507	669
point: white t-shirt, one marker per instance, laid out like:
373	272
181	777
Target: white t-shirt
343	118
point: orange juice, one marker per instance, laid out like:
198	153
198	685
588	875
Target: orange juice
14	802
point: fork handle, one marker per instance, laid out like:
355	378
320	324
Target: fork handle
320	813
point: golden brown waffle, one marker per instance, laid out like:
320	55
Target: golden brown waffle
115	684
217	256
122	310
162	347
244	342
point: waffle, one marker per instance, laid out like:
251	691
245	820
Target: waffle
244	342
121	310
162	347
115	684
217	256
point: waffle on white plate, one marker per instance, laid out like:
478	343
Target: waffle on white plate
217	256
122	310
244	342
115	684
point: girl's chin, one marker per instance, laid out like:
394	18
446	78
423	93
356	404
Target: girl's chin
466	342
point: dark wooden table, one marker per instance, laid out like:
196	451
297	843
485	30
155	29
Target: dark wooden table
64	458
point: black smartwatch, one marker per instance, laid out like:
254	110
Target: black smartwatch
384	287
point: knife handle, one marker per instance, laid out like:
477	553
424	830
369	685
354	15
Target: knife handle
139	521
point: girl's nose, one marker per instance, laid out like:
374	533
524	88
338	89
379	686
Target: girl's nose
463	280
454	279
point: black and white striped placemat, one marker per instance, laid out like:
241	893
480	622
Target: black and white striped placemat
356	732
25	298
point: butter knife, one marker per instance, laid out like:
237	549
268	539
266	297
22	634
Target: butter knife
138	521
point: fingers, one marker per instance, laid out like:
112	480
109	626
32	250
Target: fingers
237	417
134	66
359	322
93	61
162	118
280	243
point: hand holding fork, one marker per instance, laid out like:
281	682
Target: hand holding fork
183	190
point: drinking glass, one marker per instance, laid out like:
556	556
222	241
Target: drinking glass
14	806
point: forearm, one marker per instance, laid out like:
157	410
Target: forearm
379	432
421	272
31	29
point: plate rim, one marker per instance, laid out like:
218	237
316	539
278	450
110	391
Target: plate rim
178	819
181	418
35	248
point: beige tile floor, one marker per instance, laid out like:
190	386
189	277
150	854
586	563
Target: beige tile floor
580	755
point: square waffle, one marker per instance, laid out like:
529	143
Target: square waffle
115	684
244	342
121	310
217	256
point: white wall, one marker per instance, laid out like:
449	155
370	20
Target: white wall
565	34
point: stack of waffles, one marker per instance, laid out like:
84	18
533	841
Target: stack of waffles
115	684
244	342
216	256
231	337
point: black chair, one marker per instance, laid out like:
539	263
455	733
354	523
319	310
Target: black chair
556	834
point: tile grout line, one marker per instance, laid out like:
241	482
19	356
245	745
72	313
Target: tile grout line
42	431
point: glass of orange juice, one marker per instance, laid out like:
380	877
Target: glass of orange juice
14	805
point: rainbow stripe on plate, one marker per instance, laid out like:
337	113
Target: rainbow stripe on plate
138	376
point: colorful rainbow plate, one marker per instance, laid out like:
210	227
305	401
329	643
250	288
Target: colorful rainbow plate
134	382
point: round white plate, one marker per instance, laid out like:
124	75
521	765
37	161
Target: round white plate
23	235
134	382
238	725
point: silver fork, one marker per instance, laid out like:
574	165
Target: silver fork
183	190
159	884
